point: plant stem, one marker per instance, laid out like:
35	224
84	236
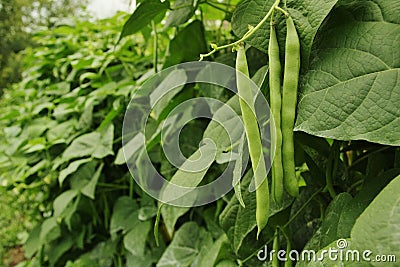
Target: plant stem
155	55
301	208
282	10
217	7
247	35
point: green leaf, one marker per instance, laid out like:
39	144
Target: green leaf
143	15
218	134
62	201
329	227
377	228
169	213
129	149
135	239
210	257
33	243
147	212
187	45
182	10
90	188
315	152
101	255
360	202
57	248
304	225
83	175
50	230
237	221
95	144
186	245
124	216
328	231
72	167
351	91
85	120
159	98
308	16
61	132
142	261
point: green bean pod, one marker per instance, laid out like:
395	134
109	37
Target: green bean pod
289	101
253	140
288	262
275	247
275	70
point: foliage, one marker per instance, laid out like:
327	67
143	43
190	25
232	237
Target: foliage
62	124
18	19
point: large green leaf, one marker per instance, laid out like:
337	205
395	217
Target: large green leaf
351	91
357	205
124	216
218	134
50	230
101	255
251	12
209	258
159	99
189	240
72	167
169	213
328	231
90	188
135	239
95	144
187	45
237	221
57	248
182	10
377	228
143	15
33	243
308	16
62	201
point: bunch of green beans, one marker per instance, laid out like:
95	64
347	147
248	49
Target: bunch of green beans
284	109
253	140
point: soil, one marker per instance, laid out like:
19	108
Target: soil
14	256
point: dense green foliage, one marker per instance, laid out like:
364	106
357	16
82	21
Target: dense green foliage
61	130
18	19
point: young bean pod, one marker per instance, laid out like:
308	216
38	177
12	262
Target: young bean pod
275	247
289	101
253	140
288	262
275	102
